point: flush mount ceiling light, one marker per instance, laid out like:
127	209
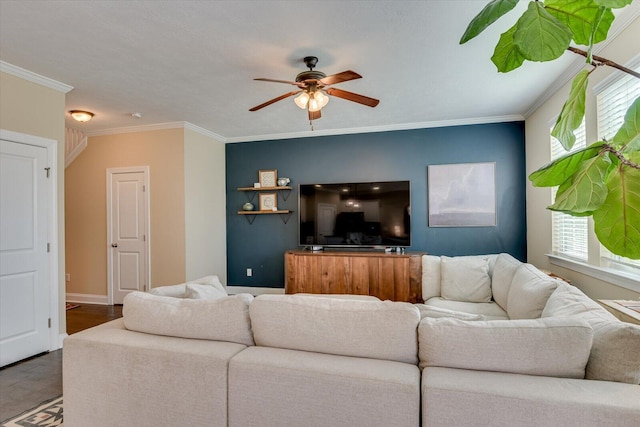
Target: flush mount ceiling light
81	116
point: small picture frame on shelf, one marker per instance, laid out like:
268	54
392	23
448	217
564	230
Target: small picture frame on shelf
268	178
268	202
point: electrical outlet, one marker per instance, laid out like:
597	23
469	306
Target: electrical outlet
68	277
249	272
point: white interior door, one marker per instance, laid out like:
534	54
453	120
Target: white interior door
128	238
24	267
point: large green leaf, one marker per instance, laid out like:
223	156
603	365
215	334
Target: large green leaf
539	35
558	171
572	112
585	19
586	190
614	4
487	16
617	222
506	56
629	134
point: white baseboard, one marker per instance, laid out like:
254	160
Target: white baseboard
61	338
253	290
88	298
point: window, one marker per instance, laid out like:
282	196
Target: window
612	103
569	233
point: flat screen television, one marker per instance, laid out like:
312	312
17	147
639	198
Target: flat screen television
355	214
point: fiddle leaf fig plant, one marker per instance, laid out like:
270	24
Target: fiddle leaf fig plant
603	179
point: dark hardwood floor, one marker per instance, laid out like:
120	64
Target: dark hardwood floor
25	384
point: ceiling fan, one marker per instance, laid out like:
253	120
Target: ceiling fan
313	89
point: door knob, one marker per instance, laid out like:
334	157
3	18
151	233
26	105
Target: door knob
114	245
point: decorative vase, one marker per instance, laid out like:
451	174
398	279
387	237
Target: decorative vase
248	206
283	182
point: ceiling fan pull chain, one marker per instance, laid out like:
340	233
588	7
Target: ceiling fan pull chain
311	124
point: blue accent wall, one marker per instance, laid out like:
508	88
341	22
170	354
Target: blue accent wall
382	156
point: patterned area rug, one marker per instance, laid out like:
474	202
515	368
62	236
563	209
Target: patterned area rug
70	306
47	414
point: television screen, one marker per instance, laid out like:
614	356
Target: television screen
355	214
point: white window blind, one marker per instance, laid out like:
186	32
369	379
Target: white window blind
569	233
612	103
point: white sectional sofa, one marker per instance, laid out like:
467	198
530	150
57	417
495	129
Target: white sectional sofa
528	350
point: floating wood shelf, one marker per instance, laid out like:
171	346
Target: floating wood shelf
285	215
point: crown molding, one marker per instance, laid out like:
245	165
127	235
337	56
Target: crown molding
14	70
205	132
621	22
384	128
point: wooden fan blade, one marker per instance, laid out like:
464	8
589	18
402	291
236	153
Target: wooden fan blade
350	96
299	84
281	97
344	76
313	115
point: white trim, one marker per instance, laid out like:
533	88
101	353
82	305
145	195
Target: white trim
621	22
61	338
307	134
384	128
253	290
88	299
75	152
147	179
51	146
14	70
615	77
619	278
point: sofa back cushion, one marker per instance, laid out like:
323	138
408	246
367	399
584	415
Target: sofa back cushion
223	319
615	355
374	329
430	276
529	292
503	272
465	278
557	347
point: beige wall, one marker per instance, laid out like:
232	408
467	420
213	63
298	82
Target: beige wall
33	109
621	50
205	206
86	215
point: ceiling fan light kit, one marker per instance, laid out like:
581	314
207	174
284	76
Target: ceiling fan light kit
314	90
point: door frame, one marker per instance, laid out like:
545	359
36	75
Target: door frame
51	145
145	170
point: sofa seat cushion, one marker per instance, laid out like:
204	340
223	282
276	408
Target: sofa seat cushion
557	347
279	387
374	329
503	272
489	310
465	398
437	312
615	355
223	319
529	292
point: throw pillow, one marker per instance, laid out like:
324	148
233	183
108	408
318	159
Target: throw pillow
465	279
615	355
199	291
175	291
503	272
555	347
529	292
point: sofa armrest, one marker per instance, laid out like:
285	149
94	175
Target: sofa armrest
113	376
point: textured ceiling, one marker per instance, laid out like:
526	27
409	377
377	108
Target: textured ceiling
195	61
